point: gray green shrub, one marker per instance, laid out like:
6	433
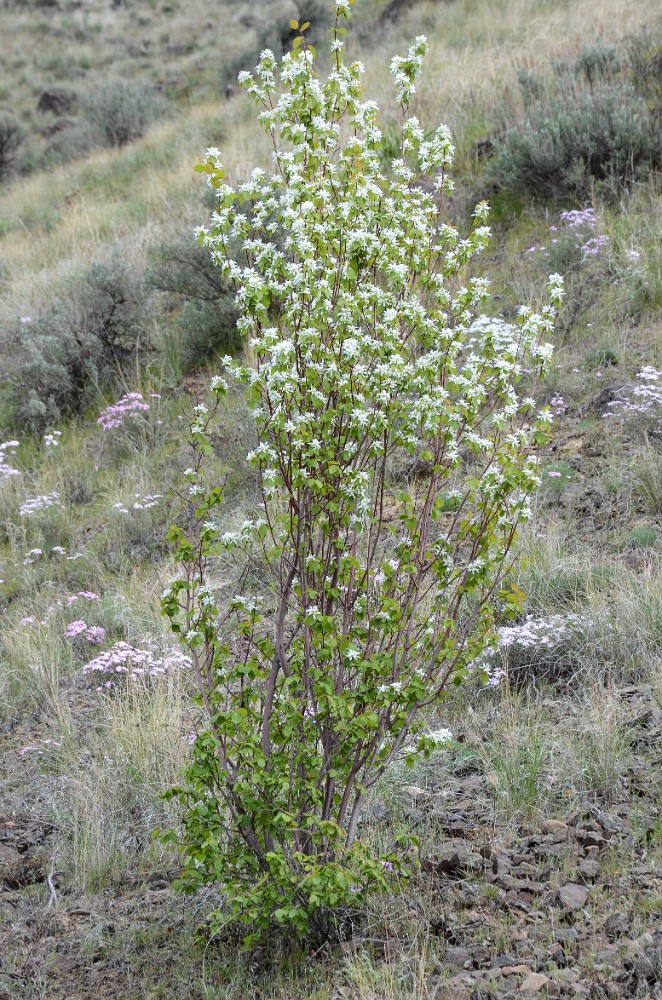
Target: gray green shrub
96	330
11	139
121	112
202	304
586	125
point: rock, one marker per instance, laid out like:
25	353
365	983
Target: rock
453	860
644	942
572	896
457	958
567	975
520	885
414	792
517	970
567	935
617	925
554	826
500	861
414	815
590	838
556	954
493	973
648	970
588	868
55	99
63	965
534	982
482	956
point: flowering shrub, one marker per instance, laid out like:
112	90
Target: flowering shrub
314	675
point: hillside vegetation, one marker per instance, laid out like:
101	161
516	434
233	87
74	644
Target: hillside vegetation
539	821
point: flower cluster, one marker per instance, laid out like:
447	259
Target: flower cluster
539	631
641	399
38	504
66	602
122	659
577	218
139	502
7	470
93	633
594	244
584	222
58	550
38	747
440	737
557	405
536	637
51	439
130	405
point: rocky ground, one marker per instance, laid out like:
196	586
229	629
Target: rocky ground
507	906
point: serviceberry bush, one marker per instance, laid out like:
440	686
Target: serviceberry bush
360	601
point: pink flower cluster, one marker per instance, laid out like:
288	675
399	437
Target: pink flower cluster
593	245
537	634
132	662
576	218
93	633
557	405
87	595
642	399
6	470
580	219
129	405
39	747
